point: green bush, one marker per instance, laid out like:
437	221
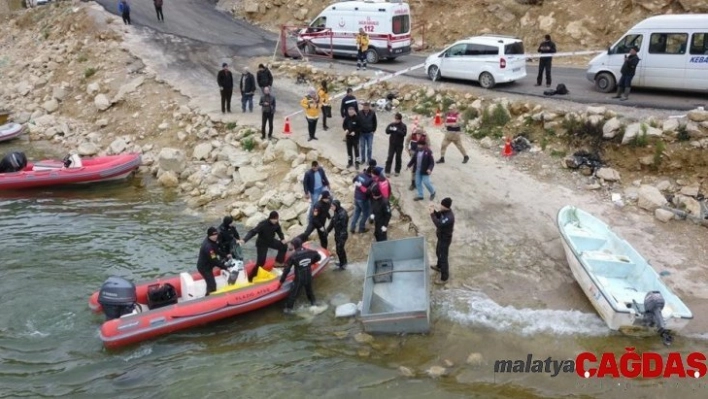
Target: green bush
231	126
88	72
658	154
248	144
683	133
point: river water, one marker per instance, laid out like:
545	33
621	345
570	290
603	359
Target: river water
59	246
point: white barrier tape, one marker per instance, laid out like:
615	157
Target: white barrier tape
367	84
565	54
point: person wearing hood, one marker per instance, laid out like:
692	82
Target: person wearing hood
339	223
266	231
444	221
228	238
301	260
382	214
209	258
320	214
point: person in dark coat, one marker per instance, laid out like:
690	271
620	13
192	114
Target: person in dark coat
544	63
210	257
264	78
444	221
158	10
248	89
339	222
13	162
412	145
629	68
347	102
315	183
267	230
267	104
382	214
228	238
422	164
226	87
369	124
124	9
320	214
352	131
362	203
396	137
301	260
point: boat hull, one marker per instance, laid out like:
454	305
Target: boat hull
95	170
616	316
135	328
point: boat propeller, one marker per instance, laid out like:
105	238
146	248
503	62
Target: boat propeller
666	337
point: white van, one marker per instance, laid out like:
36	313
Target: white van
673	52
388	24
487	59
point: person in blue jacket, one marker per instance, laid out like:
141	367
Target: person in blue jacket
124	10
314	183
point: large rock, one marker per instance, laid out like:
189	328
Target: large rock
691	191
127	89
650	198
611	128
172	159
249	175
596	110
118	145
93	88
58	93
254	220
87	148
202	151
697	115
663	215
608	174
635	129
670	125
169	179
691	206
51	105
23	88
101	102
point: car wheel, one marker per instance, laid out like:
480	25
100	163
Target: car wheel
605	82
486	80
309	49
372	56
434	73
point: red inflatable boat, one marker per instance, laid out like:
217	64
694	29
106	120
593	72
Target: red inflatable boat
79	170
147	310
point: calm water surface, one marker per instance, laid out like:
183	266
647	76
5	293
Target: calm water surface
58	247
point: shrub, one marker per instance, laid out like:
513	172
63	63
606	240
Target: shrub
248	144
231	125
683	133
658	154
88	72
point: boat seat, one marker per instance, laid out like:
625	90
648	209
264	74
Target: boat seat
47	166
621	291
191	289
584	243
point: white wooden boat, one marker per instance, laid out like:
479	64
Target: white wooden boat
622	286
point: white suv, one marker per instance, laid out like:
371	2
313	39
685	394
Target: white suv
487	59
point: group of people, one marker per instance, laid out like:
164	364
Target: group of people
124	11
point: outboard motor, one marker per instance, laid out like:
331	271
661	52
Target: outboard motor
117	297
236	266
653	305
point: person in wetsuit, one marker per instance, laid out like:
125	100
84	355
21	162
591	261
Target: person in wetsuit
228	237
266	231
301	260
210	257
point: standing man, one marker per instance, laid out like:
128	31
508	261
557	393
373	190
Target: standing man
444	221
318	222
124	10
362	207
453	134
248	89
264	78
228	238
339	222
629	68
158	10
422	164
267	103
544	63
362	45
412	145
311	105
396	136
209	259
266	231
226	87
315	183
348	101
382	213
301	260
352	131
368	128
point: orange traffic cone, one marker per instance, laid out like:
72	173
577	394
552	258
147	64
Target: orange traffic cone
507	151
286	129
438	120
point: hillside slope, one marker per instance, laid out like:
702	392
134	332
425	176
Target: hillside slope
574	24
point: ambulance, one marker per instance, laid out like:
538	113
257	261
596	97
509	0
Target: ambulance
387	22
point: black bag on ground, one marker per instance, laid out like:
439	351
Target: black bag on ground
327	111
160	295
561	89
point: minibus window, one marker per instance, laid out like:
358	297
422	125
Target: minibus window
668	43
401	24
699	44
627	43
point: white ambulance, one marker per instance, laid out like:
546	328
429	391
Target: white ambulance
387	22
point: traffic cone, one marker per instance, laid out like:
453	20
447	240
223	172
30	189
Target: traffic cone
507	151
438	120
286	129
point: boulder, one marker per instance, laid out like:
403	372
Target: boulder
254	220
637	129
23	88
608	174
87	148
650	198
172	159
93	88
58	93
691	191
127	89
101	102
691	205
118	145
249	175
611	128
51	105
169	179
697	115
487	142
596	110
663	215
202	151
670	125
